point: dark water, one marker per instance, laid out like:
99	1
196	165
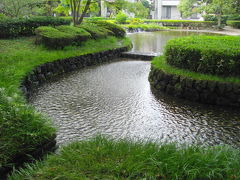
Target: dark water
115	99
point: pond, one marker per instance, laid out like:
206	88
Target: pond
115	99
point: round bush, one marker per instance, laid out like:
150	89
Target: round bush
216	55
116	29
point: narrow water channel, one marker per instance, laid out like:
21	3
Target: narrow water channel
115	99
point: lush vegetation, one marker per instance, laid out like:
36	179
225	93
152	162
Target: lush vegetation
101	158
234	24
21	128
145	27
116	29
161	63
216	55
95	30
183	23
27	26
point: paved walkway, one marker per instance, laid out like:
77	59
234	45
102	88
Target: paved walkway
226	31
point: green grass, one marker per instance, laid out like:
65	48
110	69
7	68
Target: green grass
21	128
160	63
19	56
145	27
101	158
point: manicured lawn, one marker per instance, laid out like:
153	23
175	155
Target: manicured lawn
101	158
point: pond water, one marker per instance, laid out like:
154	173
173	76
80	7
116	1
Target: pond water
115	99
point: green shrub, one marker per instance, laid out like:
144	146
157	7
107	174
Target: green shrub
234	24
79	33
116	29
234	17
183	23
121	18
26	27
21	128
96	31
53	38
136	21
145	27
216	55
215	19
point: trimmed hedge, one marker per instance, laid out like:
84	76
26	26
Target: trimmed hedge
183	23
79	33
96	31
234	24
26	27
53	38
145	27
216	55
116	29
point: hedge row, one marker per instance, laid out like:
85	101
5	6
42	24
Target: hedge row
26	27
62	36
216	55
183	23
234	24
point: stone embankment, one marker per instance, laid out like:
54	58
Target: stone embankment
208	92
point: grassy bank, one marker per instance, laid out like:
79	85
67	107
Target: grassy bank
144	27
161	63
21	128
100	158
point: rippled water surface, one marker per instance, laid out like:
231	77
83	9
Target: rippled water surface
115	99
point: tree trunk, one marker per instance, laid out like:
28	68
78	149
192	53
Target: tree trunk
84	11
219	17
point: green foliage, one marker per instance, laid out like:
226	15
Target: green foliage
18	8
53	38
101	158
235	24
79	33
21	128
214	18
183	23
26	27
116	29
136	21
96	31
160	63
121	18
187	7
218	7
145	27
139	10
216	55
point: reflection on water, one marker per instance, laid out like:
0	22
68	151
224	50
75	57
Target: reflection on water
115	99
154	42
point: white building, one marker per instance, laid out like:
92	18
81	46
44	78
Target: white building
163	9
167	9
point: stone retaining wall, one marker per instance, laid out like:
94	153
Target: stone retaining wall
208	92
48	71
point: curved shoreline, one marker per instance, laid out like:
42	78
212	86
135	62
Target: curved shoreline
203	91
44	73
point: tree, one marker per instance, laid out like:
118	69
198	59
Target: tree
218	7
187	7
78	8
138	9
18	8
116	6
